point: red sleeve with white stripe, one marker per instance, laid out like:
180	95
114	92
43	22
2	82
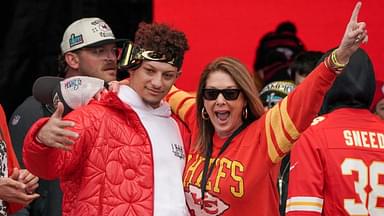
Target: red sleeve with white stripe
305	190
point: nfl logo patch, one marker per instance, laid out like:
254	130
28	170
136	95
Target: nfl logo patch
15	119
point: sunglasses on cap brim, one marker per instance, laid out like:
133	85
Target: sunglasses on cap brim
228	94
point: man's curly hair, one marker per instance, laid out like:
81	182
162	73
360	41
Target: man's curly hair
163	39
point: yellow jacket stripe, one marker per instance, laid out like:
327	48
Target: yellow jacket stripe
180	102
279	124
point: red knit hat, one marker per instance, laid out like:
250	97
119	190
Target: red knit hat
379	94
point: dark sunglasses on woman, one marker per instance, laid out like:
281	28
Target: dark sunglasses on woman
229	94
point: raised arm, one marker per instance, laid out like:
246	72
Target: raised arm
354	35
285	122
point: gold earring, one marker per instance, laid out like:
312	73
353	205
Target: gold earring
204	114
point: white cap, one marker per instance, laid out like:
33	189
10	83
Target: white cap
77	91
85	32
73	92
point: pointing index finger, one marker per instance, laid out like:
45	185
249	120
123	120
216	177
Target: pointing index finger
355	12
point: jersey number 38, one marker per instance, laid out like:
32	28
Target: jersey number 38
368	175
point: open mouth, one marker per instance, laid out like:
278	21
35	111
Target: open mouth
222	115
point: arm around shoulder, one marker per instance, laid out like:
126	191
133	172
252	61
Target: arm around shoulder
181	103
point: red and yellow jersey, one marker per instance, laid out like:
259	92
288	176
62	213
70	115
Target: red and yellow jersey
337	166
243	181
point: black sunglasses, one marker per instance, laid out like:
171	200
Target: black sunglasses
229	94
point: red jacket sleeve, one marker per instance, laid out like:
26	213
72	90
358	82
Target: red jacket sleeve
37	157
288	119
51	163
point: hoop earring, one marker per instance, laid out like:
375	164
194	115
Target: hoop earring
245	113
204	114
